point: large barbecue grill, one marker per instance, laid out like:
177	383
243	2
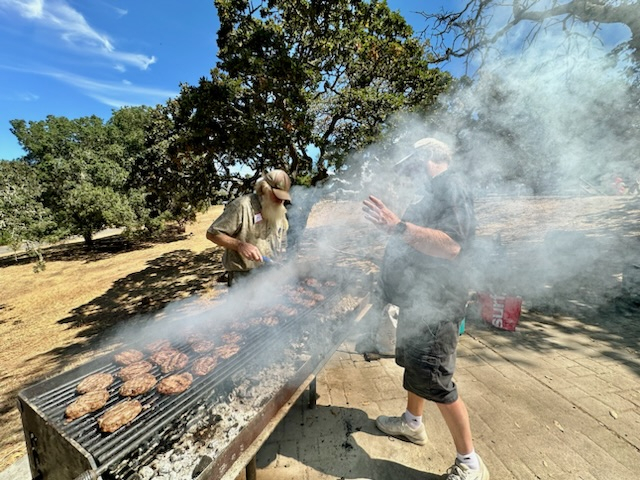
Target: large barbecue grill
61	450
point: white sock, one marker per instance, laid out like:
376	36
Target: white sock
413	421
469	459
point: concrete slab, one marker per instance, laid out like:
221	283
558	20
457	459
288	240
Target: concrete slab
526	425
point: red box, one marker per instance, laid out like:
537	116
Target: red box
500	311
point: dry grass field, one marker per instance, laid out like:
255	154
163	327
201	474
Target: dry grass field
62	317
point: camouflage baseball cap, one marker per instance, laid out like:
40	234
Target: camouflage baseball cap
280	183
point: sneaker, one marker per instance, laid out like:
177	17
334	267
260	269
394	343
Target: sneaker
398	427
460	471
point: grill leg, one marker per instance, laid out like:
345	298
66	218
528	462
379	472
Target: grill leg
251	470
312	394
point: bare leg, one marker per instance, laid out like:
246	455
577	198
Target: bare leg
457	419
415	404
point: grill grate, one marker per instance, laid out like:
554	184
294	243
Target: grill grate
159	411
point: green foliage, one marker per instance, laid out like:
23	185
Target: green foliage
23	218
177	184
127	130
302	84
83	167
90	208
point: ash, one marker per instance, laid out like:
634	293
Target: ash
214	427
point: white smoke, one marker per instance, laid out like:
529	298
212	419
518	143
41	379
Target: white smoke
543	113
536	120
550	119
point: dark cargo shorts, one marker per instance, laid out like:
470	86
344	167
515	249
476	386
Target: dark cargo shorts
428	355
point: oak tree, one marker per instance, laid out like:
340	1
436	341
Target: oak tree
302	84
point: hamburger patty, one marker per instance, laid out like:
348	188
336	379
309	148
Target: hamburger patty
231	337
89	402
175	384
285	310
227	351
97	381
157	345
202	346
134	370
204	365
119	415
138	385
170	360
127	357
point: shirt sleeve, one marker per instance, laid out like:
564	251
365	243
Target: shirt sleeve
229	222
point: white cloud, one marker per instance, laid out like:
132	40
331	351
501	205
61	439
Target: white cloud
19	97
136	59
121	93
113	93
28	97
31	9
73	28
113	102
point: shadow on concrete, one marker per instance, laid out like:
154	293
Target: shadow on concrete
329	445
612	323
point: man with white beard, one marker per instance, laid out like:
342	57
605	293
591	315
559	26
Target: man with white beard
253	228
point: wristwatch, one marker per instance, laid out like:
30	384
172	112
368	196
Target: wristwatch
400	228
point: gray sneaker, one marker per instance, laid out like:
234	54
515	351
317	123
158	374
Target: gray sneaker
398	427
459	471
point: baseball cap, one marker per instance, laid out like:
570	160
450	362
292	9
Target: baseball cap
436	149
280	183
427	145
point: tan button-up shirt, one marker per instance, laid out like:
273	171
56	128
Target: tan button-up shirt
241	219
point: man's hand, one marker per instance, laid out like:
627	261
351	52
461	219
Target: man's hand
377	213
249	251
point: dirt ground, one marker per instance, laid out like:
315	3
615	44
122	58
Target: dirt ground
59	318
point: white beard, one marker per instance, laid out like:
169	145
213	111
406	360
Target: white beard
273	213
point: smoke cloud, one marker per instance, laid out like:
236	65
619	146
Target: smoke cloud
554	119
548	120
558	119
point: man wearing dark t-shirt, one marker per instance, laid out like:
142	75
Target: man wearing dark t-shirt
423	274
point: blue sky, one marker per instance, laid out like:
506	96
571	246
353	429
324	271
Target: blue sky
75	58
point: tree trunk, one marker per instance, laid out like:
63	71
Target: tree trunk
88	239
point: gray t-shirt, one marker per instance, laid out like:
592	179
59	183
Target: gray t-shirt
241	219
410	276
